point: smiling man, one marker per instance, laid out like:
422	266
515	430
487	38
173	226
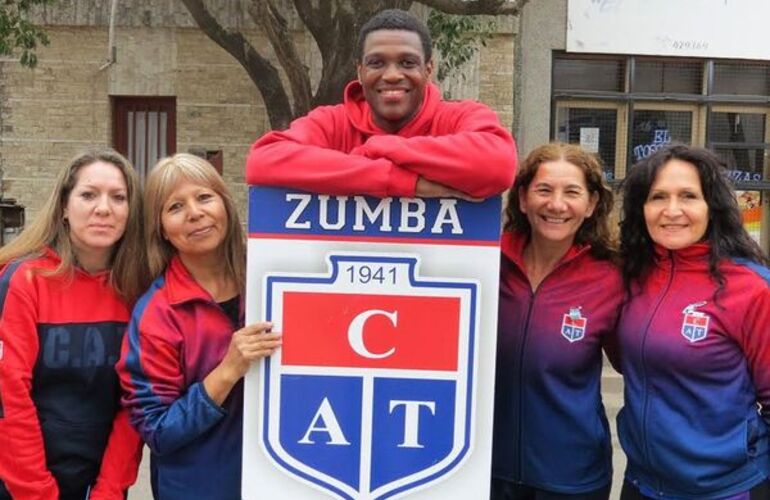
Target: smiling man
393	135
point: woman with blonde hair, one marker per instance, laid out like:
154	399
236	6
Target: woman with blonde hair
187	349
560	294
66	285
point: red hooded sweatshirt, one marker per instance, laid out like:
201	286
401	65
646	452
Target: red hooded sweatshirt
339	150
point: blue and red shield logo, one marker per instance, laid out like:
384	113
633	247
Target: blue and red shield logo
371	394
695	326
573	325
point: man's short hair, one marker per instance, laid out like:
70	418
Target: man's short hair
395	19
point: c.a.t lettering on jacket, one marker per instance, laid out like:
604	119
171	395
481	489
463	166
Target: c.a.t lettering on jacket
61	427
550	430
695	365
339	150
176	337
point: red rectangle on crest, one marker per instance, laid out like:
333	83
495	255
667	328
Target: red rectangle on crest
577	322
388	331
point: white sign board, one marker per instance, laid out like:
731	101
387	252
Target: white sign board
383	387
688	28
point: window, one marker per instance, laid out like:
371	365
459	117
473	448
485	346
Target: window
739	136
637	104
656	76
654	125
595	126
741	79
588	74
144	129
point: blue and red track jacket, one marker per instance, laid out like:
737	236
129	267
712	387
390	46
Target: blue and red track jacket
695	368
177	335
550	429
340	150
61	430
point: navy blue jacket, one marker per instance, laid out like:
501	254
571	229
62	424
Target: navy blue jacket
695	370
550	429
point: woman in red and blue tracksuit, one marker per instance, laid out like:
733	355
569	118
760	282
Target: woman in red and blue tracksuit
186	350
560	294
694	335
66	285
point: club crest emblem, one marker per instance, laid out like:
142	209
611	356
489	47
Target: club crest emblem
573	326
369	396
695	325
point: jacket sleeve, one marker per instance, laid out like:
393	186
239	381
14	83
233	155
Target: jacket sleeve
167	414
305	157
755	341
120	462
478	157
22	454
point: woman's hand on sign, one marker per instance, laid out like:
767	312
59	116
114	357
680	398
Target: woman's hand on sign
248	344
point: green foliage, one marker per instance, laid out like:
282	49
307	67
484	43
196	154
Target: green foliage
457	38
17	34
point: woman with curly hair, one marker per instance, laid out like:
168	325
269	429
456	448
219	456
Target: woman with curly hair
560	293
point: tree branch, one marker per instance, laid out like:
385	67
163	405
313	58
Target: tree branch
267	16
264	75
477	7
317	20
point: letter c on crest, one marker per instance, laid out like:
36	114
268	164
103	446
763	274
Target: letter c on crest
356	333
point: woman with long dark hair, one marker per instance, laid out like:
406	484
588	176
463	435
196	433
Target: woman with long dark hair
560	294
694	335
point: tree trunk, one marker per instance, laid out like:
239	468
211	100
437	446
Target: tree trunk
334	25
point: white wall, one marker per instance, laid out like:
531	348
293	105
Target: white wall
734	29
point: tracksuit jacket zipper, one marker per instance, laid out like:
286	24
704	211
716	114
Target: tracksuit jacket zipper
532	297
645	408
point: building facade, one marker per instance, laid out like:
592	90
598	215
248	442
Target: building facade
167	89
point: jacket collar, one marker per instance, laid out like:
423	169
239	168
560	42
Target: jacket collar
51	255
181	286
513	243
693	256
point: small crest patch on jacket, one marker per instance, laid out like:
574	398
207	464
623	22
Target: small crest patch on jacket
695	324
573	325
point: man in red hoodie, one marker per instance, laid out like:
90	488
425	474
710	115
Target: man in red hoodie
393	135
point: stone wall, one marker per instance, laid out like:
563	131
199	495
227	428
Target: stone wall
63	105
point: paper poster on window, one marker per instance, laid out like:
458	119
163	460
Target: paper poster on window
751	211
589	139
383	387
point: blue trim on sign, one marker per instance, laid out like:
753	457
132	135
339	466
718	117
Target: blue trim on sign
412	263
270	212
